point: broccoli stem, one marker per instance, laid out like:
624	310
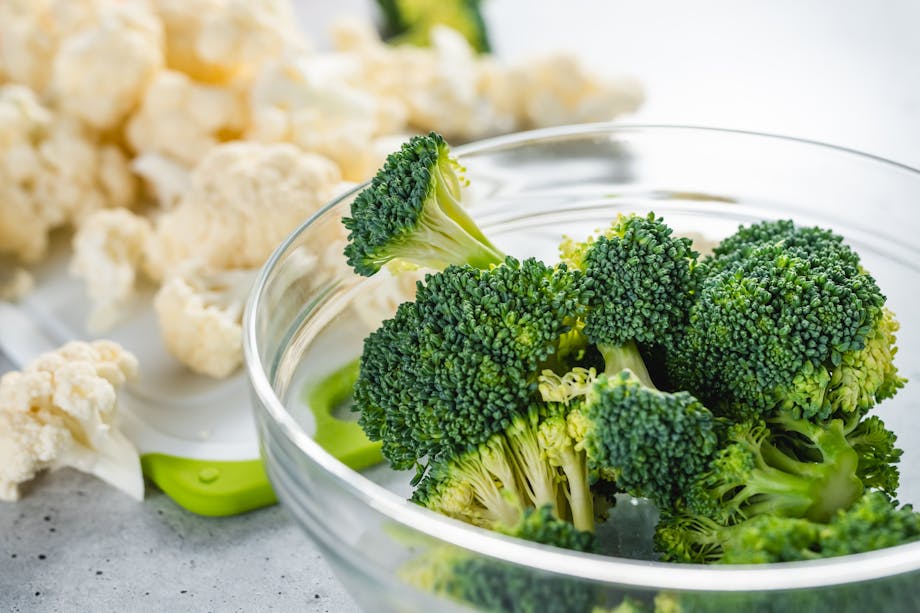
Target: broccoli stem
786	485
625	356
574	465
484	471
449	198
537	477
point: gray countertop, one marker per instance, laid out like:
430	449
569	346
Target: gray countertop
74	544
841	72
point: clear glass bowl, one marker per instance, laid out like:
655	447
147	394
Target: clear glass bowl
527	191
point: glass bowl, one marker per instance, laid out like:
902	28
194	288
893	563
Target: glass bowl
308	314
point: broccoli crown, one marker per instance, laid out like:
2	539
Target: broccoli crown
770	331
652	443
412	210
453	368
642	277
806	241
872	522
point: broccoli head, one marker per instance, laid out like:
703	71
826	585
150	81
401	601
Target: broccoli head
786	320
650	443
412	210
643	280
455	366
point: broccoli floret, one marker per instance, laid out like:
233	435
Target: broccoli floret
650	443
491	585
786	475
643	280
786	320
874	521
412	210
455	366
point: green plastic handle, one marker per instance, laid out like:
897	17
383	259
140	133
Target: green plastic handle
345	440
218	489
210	488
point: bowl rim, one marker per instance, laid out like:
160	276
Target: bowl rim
656	575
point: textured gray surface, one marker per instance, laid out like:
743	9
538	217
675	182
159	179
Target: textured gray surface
74	544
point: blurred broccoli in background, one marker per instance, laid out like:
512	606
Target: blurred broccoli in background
410	21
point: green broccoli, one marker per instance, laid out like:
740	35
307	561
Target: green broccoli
412	210
643	281
786	320
488	584
455	366
649	443
534	463
874	521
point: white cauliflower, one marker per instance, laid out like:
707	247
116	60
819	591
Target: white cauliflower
311	100
61	410
217	41
558	89
243	200
438	87
451	89
100	73
182	119
199	314
108	251
52	173
164	177
31	32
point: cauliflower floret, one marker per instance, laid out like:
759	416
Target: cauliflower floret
199	313
61	410
52	173
108	252
165	178
100	73
217	41
243	200
182	119
313	102
32	30
451	89
437	87
558	89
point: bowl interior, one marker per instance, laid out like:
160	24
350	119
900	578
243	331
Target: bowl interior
527	192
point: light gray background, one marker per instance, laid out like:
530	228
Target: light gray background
843	72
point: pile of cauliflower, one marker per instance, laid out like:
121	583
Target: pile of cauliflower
182	140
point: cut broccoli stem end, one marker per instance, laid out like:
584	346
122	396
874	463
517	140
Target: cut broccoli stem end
626	356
